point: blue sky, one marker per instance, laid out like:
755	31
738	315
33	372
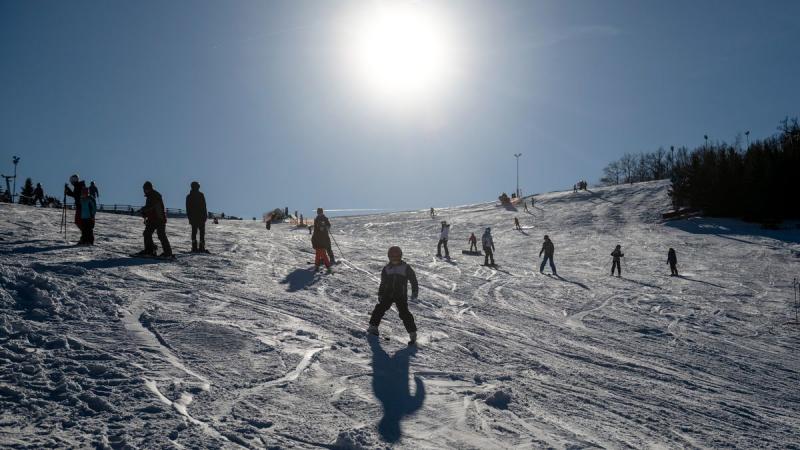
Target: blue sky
254	99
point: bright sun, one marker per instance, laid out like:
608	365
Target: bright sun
401	51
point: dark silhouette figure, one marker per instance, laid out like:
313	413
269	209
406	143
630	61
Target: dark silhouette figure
197	214
488	247
393	289
672	260
473	243
390	386
155	219
93	191
516	224
616	255
38	195
548	249
75	193
321	240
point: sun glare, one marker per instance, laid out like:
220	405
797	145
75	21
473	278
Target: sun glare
401	51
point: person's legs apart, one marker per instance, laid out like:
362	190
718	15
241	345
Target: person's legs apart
378	312
405	316
161	230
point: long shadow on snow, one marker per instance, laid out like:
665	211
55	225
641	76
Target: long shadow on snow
700	281
576	283
31	249
298	279
725	227
116	262
390	385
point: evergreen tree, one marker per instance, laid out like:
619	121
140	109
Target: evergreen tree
26	194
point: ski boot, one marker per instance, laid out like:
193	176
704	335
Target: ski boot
412	338
146	253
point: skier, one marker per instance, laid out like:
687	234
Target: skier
443	235
75	193
672	260
155	220
525	204
197	214
516	224
473	243
321	241
617	254
38	194
88	211
395	277
93	192
433	214
488	247
548	249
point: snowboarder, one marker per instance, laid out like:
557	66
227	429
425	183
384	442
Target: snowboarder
443	235
488	247
88	211
516	224
321	240
395	277
617	254
155	220
433	214
672	260
548	249
93	192
473	243
38	195
197	214
75	193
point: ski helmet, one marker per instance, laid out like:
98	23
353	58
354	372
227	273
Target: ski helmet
74	179
395	251
319	210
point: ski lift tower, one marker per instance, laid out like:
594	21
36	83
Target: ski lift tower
517	155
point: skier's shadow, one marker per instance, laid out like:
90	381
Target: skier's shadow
390	385
298	279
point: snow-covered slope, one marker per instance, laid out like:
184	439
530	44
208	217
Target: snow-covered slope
248	348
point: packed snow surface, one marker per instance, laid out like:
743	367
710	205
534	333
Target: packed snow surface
248	348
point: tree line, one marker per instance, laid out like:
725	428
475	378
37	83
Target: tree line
756	183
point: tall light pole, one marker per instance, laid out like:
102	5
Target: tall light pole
517	155
747	134
705	136
14	191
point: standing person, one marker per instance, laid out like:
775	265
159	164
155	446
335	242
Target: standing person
155	220
672	260
93	192
197	214
433	214
38	195
444	234
473	243
525	204
617	254
488	247
395	277
75	193
88	211
320	239
548	249
516	224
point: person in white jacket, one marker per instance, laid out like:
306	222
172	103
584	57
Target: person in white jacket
488	247
443	236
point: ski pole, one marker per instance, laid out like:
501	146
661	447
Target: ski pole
64	216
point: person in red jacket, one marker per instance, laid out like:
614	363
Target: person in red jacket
155	220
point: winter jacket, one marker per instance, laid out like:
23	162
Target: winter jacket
320	237
394	282
38	192
75	193
445	232
88	208
672	258
547	248
154	211
486	240
472	239
196	210
617	254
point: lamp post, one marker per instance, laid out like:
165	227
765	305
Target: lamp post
747	134
705	136
517	155
14	191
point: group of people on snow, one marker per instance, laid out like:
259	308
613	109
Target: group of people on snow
580	186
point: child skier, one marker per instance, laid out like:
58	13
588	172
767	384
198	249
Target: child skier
395	277
473	243
88	210
617	254
672	260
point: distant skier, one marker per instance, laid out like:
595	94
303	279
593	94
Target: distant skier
93	192
548	249
574	188
473	243
155	220
321	240
433	214
443	236
672	260
516	224
75	193
197	214
88	211
395	277
617	254
38	195
488	247
525	204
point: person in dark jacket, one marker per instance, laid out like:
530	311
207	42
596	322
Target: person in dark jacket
488	247
548	249
75	193
322	225
395	277
473	243
321	241
88	211
672	260
197	214
38	194
155	220
616	255
93	192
